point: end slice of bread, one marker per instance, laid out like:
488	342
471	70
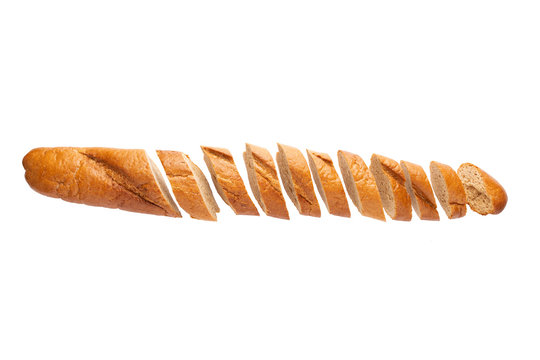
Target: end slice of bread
449	190
484	194
189	185
328	183
360	185
123	179
420	192
296	178
391	184
227	180
264	181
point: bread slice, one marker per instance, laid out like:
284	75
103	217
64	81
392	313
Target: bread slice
296	178
391	184
113	178
227	180
420	192
484	194
360	185
449	190
189	185
264	181
328	183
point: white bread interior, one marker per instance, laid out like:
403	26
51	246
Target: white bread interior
204	187
162	183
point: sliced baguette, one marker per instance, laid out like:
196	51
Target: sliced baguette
484	194
420	192
264	181
227	180
113	178
391	184
360	185
296	178
189	185
449	190
328	183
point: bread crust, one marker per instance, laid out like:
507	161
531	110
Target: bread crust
184	185
265	185
330	186
106	177
369	201
228	181
420	192
301	193
494	190
394	175
457	199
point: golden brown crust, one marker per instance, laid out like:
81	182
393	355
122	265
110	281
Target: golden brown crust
329	184
228	181
184	185
267	189
369	200
420	192
394	174
494	190
301	191
457	199
112	178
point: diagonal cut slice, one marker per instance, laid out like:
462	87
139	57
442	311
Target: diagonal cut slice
189	185
228	181
296	178
328	183
420	192
264	181
360	185
449	190
391	184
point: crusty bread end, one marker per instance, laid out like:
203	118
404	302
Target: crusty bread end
484	194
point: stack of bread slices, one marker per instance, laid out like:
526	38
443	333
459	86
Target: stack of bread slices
128	179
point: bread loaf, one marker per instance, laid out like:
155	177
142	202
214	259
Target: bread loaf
227	180
189	185
296	178
127	179
484	194
419	190
328	183
360	185
449	190
264	181
112	178
391	184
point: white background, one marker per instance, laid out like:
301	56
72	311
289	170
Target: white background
454	81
